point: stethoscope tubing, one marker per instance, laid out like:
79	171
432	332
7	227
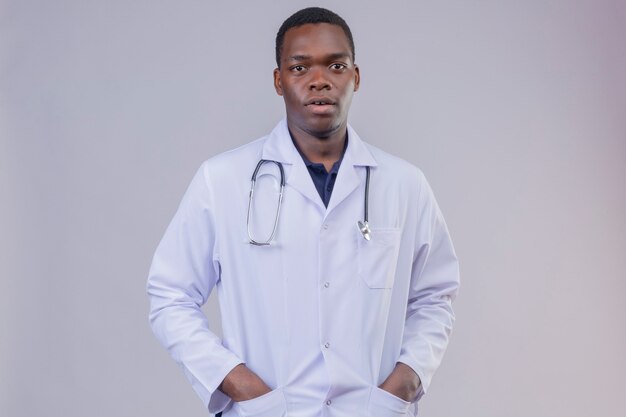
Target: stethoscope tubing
280	201
362	225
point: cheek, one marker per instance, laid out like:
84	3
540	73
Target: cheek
290	96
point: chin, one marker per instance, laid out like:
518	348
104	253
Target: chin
323	129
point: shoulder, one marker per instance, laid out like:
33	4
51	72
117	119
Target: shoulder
231	161
406	179
396	168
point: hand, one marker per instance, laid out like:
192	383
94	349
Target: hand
242	384
403	382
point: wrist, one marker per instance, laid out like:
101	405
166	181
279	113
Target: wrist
403	382
241	384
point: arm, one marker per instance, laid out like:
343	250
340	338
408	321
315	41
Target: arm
183	273
434	285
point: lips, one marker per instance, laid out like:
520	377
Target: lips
321	106
320	101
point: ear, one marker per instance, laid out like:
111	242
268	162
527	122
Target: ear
277	84
357	78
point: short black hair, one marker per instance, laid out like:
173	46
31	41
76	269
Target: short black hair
311	15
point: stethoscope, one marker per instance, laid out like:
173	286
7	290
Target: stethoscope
363	226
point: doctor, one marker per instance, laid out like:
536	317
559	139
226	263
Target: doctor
342	308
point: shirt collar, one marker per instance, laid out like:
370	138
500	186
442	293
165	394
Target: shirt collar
279	147
317	165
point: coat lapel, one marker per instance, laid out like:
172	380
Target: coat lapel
352	170
279	147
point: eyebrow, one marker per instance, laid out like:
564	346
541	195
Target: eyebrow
332	57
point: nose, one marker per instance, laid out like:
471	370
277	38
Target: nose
319	81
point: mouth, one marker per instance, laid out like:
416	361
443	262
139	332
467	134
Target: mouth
320	102
321	106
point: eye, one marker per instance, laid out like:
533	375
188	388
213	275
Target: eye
338	67
297	68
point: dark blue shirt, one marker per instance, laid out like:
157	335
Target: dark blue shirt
324	181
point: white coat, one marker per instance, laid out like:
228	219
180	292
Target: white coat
321	315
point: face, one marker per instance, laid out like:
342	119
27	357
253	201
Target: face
317	79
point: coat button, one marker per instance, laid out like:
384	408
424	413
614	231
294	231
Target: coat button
327	345
326	284
328	402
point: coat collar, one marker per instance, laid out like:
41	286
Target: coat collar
279	147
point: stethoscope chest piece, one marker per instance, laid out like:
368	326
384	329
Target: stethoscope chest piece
364	228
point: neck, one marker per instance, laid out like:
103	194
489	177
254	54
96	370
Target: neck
320	149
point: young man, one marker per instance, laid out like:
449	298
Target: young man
335	293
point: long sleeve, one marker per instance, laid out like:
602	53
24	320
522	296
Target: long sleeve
183	273
434	285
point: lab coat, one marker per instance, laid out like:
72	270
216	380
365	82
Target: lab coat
321	315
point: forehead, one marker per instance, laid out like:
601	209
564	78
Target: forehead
315	38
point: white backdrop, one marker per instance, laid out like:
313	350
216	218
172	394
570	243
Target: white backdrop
515	111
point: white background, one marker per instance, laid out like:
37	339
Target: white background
515	111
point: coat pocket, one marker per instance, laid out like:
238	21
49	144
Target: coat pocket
385	404
377	258
272	404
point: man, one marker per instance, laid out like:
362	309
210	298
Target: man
335	300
